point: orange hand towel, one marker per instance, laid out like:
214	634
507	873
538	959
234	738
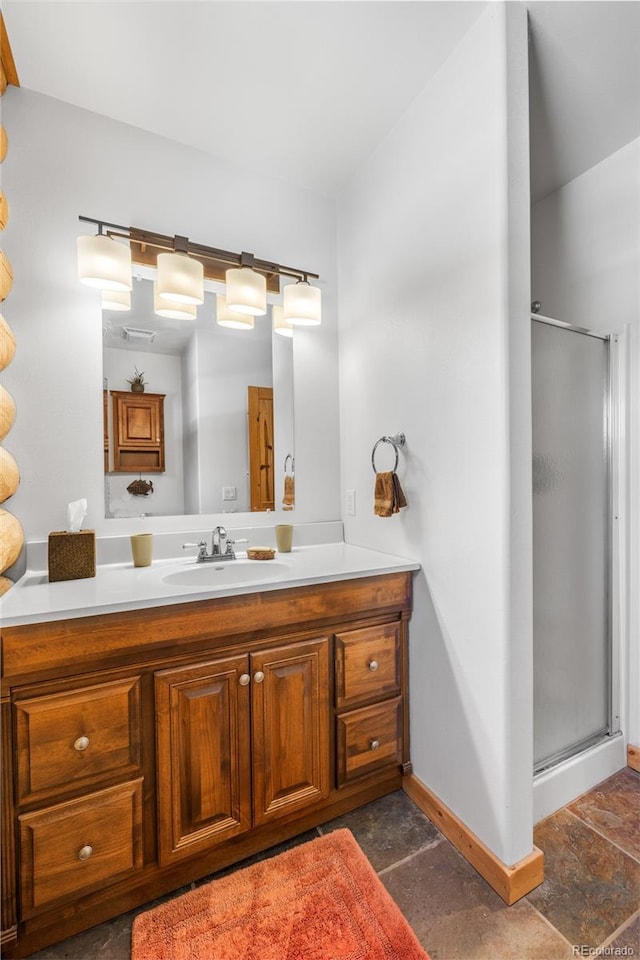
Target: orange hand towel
289	497
388	495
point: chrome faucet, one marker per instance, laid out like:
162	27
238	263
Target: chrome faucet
221	547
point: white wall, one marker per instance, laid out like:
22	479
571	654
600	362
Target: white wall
63	162
162	375
228	362
190	414
283	413
434	317
586	271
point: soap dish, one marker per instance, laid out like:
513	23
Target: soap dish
261	553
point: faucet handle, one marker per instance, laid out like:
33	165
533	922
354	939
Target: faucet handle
202	548
243	540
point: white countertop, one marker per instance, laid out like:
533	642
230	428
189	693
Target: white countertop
121	586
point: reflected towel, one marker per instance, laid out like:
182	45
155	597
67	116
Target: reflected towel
388	495
289	497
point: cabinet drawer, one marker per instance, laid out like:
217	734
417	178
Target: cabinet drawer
368	739
79	845
367	663
77	738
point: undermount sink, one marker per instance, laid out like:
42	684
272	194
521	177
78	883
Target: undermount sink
226	574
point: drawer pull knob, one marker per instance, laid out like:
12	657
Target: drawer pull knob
81	744
244	680
375	744
85	852
258	676
373	664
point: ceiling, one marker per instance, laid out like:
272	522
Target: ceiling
303	91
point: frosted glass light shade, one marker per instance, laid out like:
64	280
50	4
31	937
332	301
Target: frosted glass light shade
231	318
246	291
116	300
173	311
180	278
280	325
104	263
302	304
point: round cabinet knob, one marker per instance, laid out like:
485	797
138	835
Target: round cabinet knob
85	852
244	680
258	676
374	744
81	744
373	665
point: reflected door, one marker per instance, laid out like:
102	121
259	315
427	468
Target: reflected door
571	536
261	462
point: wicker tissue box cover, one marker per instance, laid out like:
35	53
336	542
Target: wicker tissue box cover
72	556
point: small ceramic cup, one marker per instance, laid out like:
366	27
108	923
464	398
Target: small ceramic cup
284	537
142	549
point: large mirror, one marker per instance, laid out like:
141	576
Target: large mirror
212	431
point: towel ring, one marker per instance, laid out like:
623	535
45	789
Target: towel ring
397	440
288	457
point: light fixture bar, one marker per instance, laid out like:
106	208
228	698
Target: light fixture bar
140	240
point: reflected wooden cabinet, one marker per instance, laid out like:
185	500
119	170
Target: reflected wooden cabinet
138	432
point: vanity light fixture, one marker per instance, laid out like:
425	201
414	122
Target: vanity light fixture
231	318
116	300
105	262
301	303
280	325
180	278
173	311
246	289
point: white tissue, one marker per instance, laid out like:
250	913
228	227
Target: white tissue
76	512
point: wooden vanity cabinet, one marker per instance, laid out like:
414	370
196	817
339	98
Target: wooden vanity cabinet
146	749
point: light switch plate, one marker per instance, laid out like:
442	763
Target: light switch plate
229	493
350	503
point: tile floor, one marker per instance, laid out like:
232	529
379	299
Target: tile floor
590	898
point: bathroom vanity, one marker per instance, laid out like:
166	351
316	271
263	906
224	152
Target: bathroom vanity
148	746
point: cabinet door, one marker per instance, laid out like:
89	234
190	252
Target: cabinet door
138	427
261	467
204	777
138	421
290	699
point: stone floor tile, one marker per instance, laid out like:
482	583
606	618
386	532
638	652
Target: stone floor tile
628	939
262	855
590	887
457	916
613	809
388	829
109	941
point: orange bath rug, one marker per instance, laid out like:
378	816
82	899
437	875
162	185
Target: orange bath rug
319	901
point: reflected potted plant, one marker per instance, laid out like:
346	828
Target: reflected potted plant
136	381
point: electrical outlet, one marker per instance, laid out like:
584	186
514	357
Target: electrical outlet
350	503
229	493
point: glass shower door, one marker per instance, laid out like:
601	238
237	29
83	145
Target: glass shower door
571	542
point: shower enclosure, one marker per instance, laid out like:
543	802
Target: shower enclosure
574	695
